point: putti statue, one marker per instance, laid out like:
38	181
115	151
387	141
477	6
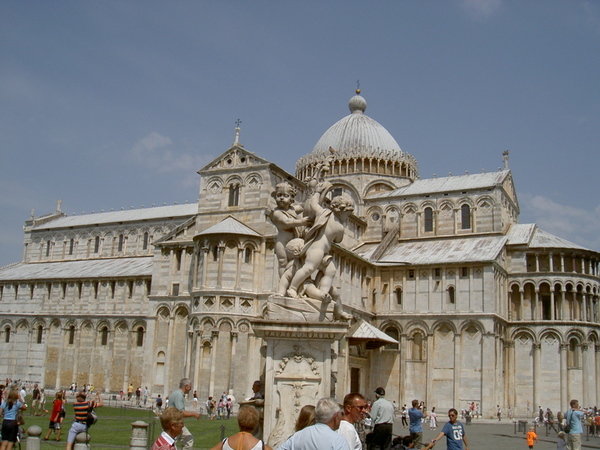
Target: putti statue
305	238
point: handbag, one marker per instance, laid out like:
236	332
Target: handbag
567	427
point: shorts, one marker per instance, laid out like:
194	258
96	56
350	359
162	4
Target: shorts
54	425
76	428
10	430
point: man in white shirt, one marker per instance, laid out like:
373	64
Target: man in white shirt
321	435
355	407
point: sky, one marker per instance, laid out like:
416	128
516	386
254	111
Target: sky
117	104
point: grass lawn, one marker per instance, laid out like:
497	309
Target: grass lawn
113	429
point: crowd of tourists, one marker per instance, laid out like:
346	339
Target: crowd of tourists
357	423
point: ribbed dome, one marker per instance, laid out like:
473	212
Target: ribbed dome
356	131
357	136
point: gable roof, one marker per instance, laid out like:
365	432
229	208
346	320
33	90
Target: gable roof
229	225
365	332
529	234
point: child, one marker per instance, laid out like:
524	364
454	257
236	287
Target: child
531	437
561	442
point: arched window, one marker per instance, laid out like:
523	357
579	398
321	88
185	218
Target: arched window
451	295
121	242
96	244
140	337
573	357
428	219
417	347
104	336
71	334
40	334
465	217
145	244
393	333
71	246
7	334
398	293
159	376
248	255
234	195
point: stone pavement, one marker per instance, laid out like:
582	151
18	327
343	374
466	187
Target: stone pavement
491	435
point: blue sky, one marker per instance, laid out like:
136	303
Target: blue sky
112	104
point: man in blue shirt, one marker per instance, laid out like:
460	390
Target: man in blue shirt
415	416
454	432
574	417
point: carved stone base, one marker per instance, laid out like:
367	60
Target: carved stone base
300	364
299	309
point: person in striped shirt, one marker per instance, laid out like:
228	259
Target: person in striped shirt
172	424
81	408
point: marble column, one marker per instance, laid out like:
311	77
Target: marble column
537	389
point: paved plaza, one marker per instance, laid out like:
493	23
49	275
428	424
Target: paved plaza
491	435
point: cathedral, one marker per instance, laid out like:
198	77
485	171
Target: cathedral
447	297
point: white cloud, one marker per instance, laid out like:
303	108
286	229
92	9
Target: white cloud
159	153
481	9
574	224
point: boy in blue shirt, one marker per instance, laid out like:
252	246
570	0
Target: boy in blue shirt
454	432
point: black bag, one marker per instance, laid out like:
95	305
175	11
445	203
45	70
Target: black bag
567	427
92	417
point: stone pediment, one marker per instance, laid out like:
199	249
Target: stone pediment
234	158
182	232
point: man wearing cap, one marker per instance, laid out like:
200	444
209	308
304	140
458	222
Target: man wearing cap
382	414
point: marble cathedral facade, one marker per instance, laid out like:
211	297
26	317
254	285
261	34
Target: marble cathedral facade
484	309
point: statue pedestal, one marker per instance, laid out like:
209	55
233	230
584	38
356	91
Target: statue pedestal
298	369
289	309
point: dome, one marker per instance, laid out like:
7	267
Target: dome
354	137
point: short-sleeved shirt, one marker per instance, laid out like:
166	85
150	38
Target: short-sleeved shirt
574	417
454	434
177	400
382	411
164	442
415	415
81	411
531	437
347	430
315	436
11	414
